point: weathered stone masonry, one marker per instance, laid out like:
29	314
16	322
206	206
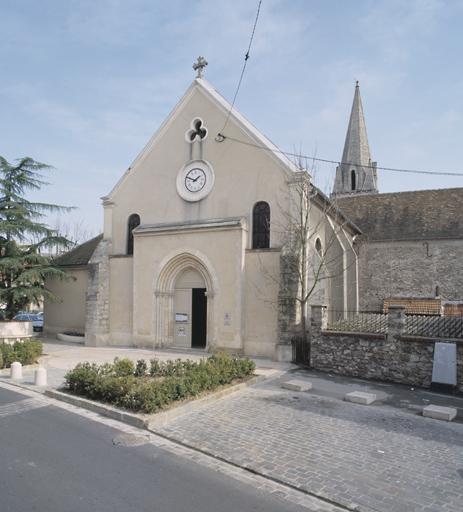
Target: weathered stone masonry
409	269
395	358
97	298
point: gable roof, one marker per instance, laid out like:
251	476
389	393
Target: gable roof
416	215
203	86
80	255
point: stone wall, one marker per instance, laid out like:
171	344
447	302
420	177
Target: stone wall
97	297
391	357
409	269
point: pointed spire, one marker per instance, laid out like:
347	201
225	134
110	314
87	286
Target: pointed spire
357	173
356	148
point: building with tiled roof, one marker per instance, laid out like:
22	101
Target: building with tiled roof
411	245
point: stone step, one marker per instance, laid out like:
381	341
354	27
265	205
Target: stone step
438	412
360	397
297	385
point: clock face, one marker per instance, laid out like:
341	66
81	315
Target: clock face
195	180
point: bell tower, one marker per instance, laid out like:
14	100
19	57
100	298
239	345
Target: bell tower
356	173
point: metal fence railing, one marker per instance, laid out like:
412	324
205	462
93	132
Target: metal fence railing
434	326
357	321
415	325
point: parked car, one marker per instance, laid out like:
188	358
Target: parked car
35	318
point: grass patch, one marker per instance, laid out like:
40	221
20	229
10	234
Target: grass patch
150	386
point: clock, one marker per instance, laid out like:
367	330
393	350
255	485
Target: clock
195	180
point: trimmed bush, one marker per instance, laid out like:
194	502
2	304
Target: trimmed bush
125	385
25	352
141	368
123	367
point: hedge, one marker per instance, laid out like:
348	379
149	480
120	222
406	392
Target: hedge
149	387
25	352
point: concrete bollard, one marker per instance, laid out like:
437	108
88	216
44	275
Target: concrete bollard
40	377
16	370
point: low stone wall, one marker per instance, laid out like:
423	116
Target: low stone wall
405	360
15	330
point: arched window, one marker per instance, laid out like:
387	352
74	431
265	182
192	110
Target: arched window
352	179
133	222
318	246
261	226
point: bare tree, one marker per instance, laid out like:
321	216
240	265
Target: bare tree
74	231
310	226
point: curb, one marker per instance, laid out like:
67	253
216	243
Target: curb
349	507
149	421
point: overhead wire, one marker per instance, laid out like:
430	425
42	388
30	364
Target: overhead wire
246	58
222	137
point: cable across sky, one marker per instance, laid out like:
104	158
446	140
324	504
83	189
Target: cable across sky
222	137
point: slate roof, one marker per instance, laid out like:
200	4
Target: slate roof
417	215
80	255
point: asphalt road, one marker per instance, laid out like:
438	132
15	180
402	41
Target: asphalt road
53	460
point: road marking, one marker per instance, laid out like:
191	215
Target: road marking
21	406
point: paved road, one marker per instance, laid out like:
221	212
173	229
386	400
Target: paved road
381	457
53	460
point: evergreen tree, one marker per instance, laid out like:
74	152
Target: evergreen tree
25	241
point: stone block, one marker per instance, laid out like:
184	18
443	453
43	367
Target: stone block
438	412
360	397
283	353
297	385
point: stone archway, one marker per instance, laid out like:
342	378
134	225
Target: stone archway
170	269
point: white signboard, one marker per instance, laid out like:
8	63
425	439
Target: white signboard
181	317
444	370
181	331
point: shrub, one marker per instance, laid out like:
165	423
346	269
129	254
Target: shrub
141	368
155	367
25	352
123	367
124	385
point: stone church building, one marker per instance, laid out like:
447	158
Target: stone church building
199	230
411	246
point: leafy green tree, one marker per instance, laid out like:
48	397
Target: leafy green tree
25	240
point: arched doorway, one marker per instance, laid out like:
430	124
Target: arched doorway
190	310
182	271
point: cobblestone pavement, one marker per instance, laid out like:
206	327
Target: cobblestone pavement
131	436
377	457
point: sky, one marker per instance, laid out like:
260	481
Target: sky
84	84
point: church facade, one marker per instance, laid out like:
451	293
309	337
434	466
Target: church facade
195	242
202	241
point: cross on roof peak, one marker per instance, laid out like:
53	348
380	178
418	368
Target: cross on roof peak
199	66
